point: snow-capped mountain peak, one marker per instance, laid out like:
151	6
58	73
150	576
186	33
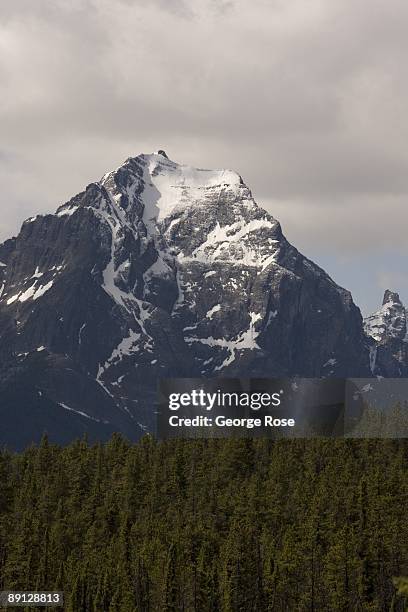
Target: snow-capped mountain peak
157	270
166	187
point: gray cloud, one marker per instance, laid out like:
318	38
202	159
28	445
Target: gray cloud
306	100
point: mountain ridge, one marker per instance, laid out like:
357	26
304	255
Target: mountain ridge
161	270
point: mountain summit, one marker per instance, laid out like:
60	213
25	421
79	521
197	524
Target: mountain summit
157	270
387	332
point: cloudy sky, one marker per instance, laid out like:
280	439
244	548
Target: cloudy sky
306	99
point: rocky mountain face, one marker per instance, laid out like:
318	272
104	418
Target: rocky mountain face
158	270
387	333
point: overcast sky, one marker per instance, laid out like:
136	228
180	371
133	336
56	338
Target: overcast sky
306	99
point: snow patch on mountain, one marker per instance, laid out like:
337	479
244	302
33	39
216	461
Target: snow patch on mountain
127	346
169	187
234	243
272	314
81	329
34	292
84	414
37	273
67	211
212	311
245	340
373	358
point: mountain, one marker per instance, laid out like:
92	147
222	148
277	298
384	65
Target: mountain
387	331
157	270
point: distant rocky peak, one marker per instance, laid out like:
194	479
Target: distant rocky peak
391	297
390	321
